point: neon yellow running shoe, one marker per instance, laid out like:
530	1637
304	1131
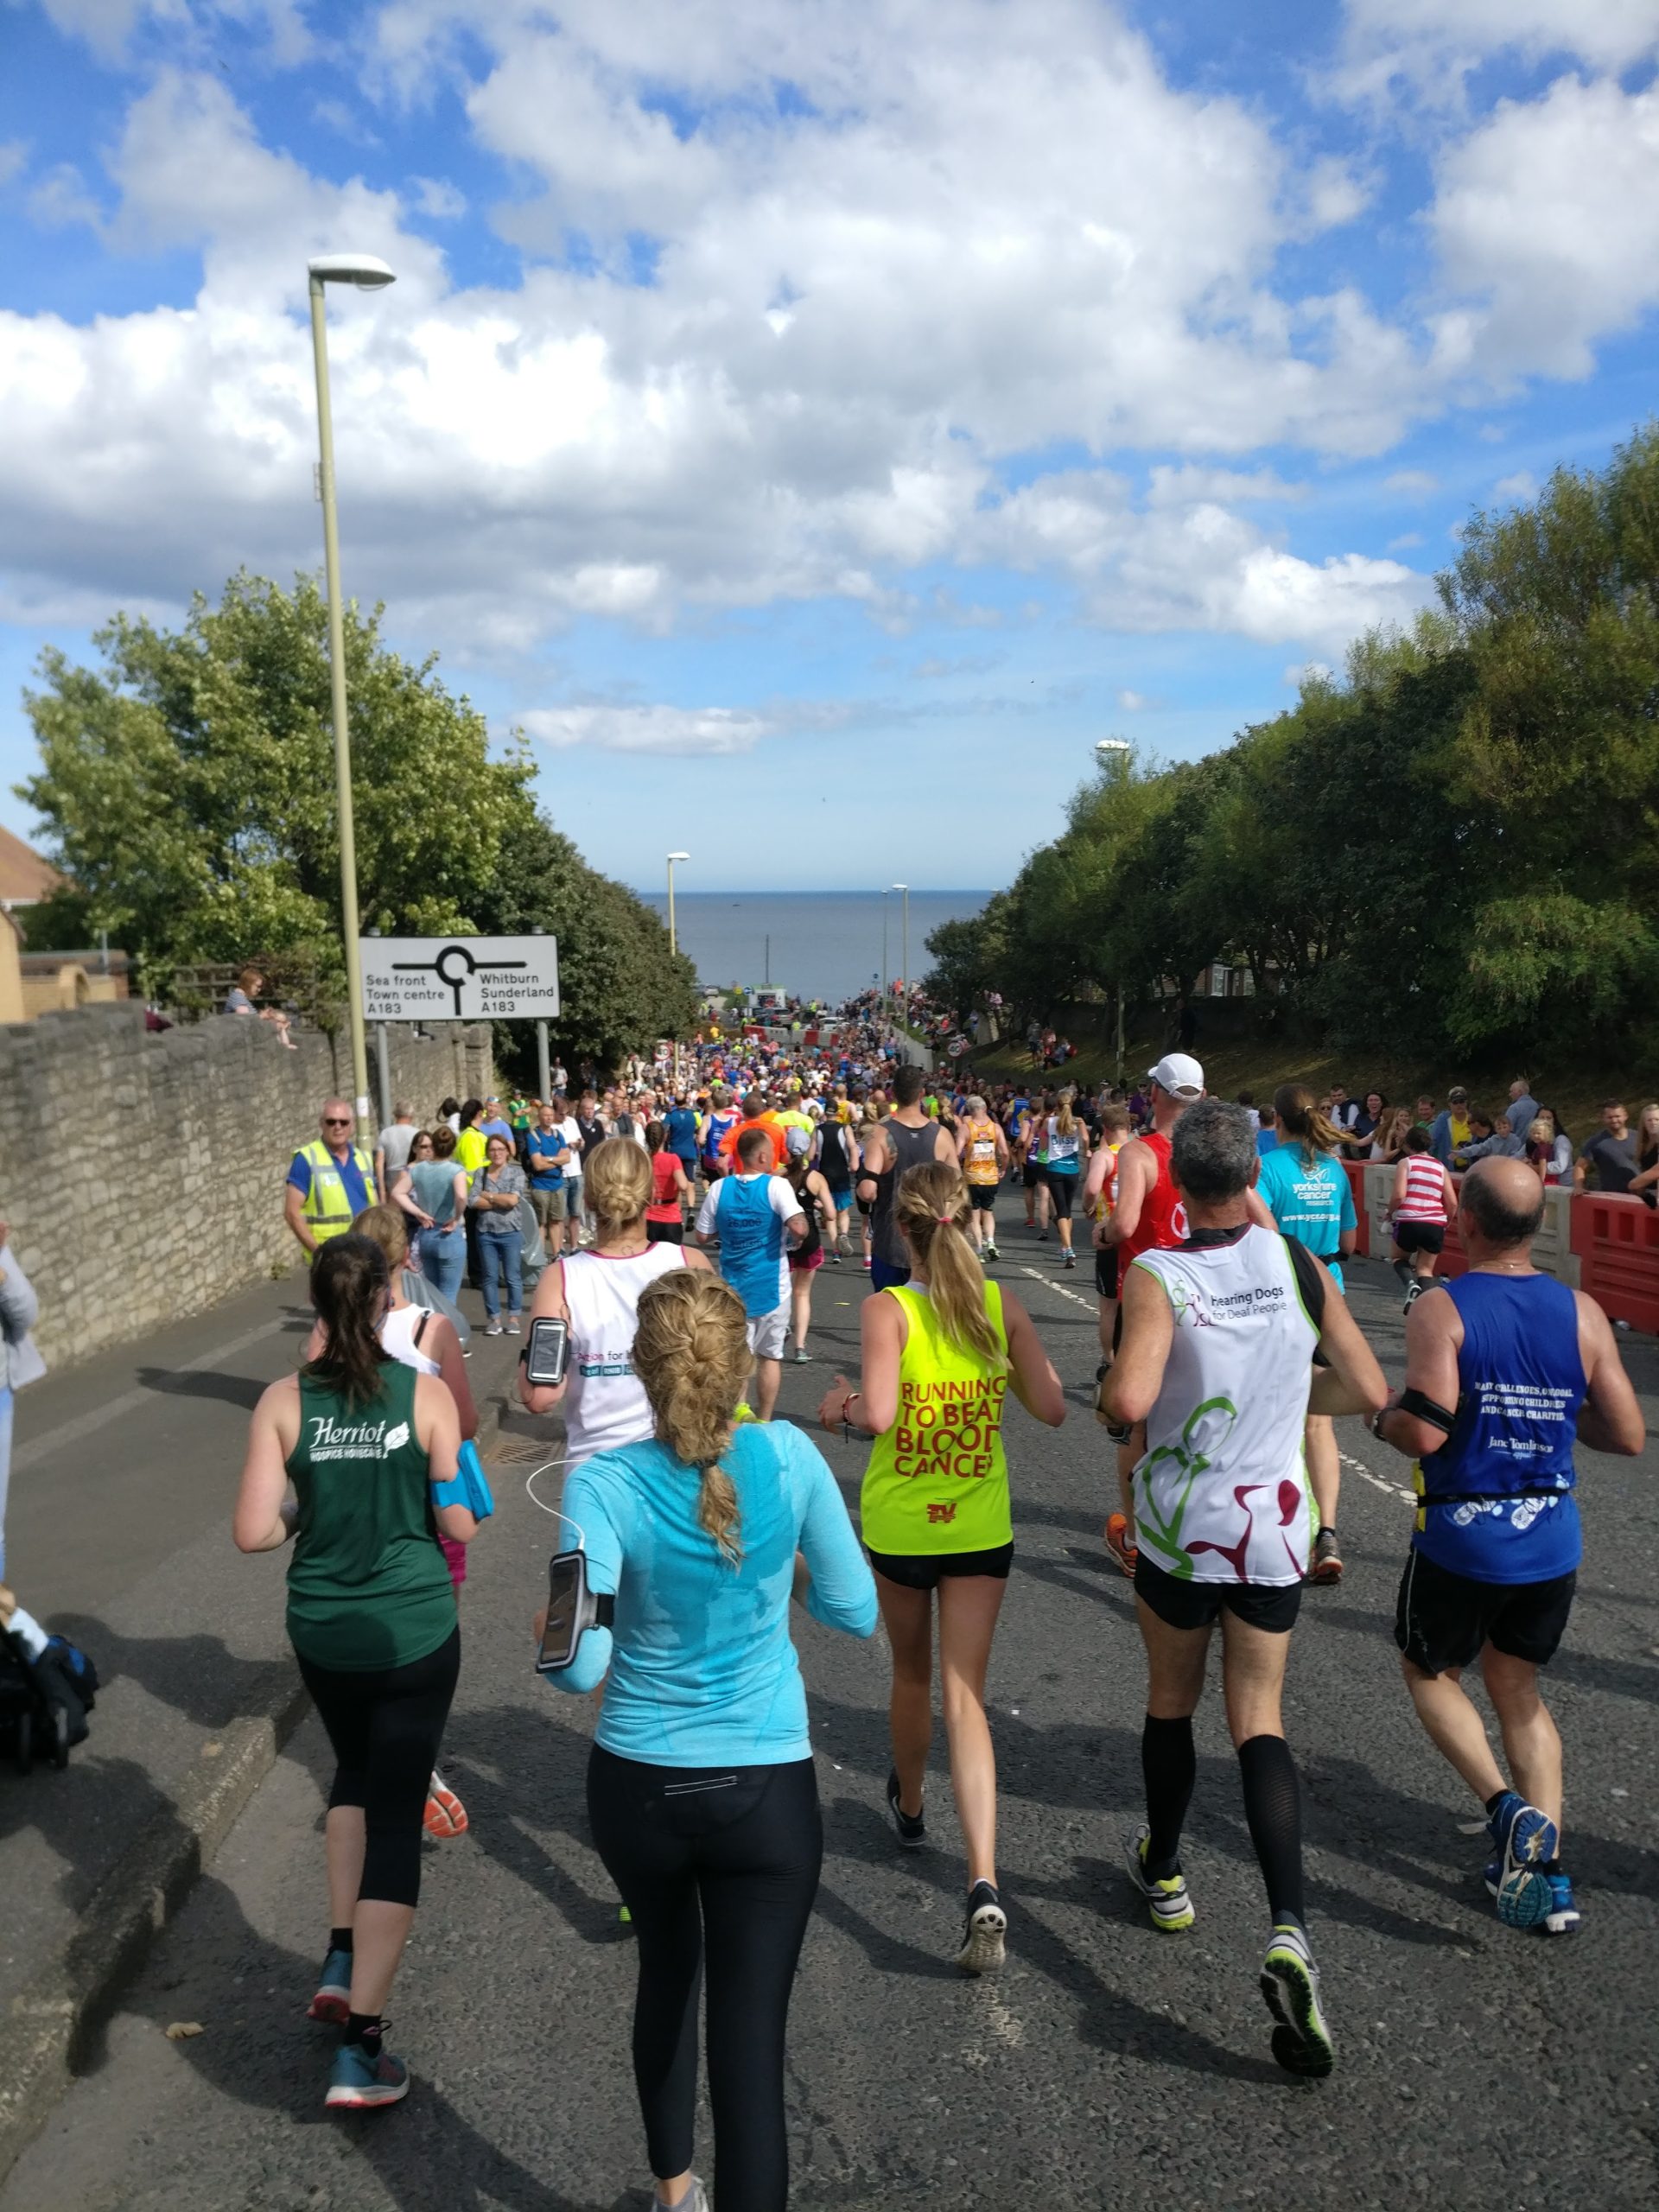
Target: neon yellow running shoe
1166	1895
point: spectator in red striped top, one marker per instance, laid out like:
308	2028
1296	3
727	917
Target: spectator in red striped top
1424	1200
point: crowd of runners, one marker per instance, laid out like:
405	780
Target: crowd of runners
1216	1234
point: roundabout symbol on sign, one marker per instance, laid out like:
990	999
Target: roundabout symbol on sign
454	977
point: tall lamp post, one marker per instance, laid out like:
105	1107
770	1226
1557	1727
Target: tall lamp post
368	274
674	944
886	973
1112	758
904	971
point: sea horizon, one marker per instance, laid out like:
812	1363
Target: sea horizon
814	944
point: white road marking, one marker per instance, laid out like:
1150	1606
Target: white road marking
1376	1481
1060	1289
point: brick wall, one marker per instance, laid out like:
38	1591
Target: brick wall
141	1175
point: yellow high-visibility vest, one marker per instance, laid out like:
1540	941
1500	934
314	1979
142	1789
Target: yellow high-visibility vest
327	1212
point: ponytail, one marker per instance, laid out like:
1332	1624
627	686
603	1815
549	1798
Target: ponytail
349	1281
691	1352
931	1206
1063	1124
1305	1120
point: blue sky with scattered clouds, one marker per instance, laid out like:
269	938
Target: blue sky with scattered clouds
816	422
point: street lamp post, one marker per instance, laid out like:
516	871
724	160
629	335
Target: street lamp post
904	971
1112	758
368	275
673	942
886	973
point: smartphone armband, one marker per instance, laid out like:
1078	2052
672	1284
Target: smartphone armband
572	1609
468	1486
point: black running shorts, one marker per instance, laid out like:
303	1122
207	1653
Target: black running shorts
1420	1236
984	1196
1034	1175
926	1570
1180	1604
1441	1619
1106	1271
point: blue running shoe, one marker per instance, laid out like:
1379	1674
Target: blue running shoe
1525	1838
332	2001
1563	1918
362	2079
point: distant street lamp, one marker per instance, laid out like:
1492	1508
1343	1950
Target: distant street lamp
368	274
1112	755
673	943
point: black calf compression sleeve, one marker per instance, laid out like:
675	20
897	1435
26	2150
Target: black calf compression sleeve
1170	1765
1273	1805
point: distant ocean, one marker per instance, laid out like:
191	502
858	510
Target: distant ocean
817	945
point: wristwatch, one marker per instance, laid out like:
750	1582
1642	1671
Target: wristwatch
1376	1421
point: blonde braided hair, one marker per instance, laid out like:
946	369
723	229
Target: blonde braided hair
691	1352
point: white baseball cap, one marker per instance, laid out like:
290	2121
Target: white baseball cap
1179	1074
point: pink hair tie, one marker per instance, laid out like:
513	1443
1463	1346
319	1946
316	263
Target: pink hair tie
946	1219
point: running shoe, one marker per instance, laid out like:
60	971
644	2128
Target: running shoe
1290	1983
1418	1286
492	1329
1165	1894
802	1358
985	1925
1524	1837
1070	1257
695	2200
1327	1558
911	1828
446	1815
332	2001
513	1328
362	2079
991	1252
1563	1918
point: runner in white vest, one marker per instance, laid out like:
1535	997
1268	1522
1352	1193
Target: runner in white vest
1217	1335
597	1291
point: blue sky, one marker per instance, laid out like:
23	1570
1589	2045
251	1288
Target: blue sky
817	424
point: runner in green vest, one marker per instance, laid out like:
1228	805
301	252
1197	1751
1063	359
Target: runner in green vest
372	1448
939	1355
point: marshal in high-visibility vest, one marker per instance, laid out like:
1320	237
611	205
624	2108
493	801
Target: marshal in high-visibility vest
328	1211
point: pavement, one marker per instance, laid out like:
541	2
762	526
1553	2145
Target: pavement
1476	2067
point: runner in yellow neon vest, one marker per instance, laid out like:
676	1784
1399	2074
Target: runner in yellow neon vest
940	1354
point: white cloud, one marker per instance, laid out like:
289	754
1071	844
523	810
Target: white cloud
859	312
1431	46
438	199
14	159
1134	702
650	729
1518	489
1405	542
107	26
1547	220
61	200
1412	483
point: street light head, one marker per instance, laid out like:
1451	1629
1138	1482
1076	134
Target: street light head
901	887
366	270
1106	747
679	857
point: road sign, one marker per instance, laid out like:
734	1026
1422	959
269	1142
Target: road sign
958	1047
460	978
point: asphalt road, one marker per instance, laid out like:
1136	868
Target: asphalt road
1107	2065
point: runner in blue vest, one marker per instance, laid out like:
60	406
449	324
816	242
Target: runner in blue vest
757	1217
1504	1367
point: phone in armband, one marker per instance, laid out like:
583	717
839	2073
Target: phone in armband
572	1609
547	1351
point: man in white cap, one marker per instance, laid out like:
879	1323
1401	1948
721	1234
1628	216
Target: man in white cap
1148	1216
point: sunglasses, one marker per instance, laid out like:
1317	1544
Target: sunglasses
336	1121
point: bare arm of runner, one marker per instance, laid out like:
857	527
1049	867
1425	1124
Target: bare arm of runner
1137	1171
262	1520
874	1405
1030	1371
542	1397
1130	1391
1353	1382
1610	1419
1433	1335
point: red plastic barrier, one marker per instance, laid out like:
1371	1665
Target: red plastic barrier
1616	1241
1355	1171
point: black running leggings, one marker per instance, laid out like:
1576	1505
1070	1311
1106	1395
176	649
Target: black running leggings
723	1860
386	1726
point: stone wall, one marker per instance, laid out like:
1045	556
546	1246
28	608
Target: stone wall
141	1175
